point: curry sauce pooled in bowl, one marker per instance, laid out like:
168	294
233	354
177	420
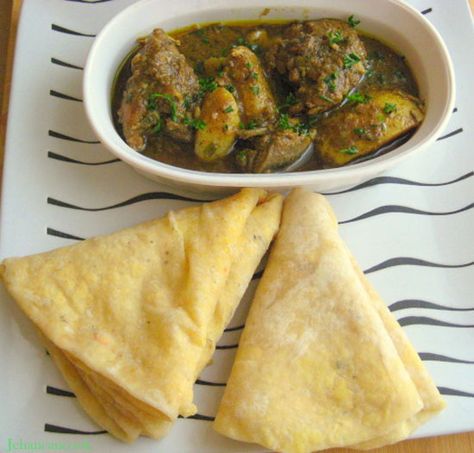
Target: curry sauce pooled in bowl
259	97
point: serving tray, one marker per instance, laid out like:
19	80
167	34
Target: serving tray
410	229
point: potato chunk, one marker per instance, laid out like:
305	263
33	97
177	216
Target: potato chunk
220	116
247	75
358	129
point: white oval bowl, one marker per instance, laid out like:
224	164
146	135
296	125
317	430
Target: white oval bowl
396	23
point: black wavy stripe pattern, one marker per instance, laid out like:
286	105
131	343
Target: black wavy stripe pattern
65	64
429	356
390	209
227	346
62	158
454	392
408	261
401	181
68	31
61	136
130	201
427	321
49	428
61	234
417	303
50	390
233	329
66	97
451	134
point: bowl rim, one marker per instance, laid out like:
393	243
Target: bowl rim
178	174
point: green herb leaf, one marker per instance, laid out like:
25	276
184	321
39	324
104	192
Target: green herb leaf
195	123
285	124
229	109
158	127
335	37
353	21
358	98
252	124
325	98
289	101
207	84
230	88
389	108
351	150
330	81
350	60
255	89
360	131
283	121
172	103
248	65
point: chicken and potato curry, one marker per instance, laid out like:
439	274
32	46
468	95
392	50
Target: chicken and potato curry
265	97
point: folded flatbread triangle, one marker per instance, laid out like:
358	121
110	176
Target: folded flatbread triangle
321	363
137	313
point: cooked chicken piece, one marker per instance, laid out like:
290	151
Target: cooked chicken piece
220	116
153	101
246	74
358	129
323	59
275	151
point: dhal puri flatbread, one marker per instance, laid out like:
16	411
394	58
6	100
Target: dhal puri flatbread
321	362
131	318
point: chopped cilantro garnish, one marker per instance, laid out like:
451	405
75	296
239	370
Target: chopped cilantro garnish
187	101
255	89
325	98
389	108
196	123
350	60
254	75
335	37
283	121
285	124
158	127
229	109
242	42
202	34
289	101
248	65
360	131
172	103
358	98
351	150
252	124
230	88
330	81
353	21
207	84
